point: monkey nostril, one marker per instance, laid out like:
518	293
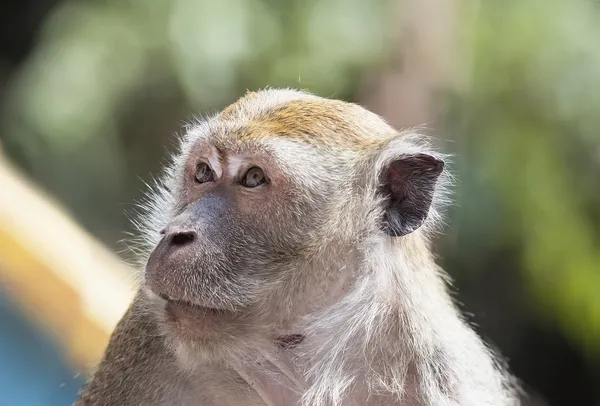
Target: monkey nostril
183	238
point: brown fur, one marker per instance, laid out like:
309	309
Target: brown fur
319	122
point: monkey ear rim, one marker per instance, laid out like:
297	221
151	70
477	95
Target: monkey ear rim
408	183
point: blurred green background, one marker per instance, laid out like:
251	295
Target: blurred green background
93	93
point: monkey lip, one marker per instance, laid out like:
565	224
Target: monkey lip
184	304
192	314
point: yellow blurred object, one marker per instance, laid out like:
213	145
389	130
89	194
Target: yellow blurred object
63	279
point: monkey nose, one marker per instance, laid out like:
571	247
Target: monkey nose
171	250
180	238
171	256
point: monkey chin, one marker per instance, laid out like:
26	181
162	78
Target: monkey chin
200	334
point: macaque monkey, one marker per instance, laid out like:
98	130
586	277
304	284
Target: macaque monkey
289	263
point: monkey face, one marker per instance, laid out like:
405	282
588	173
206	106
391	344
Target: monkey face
240	228
269	212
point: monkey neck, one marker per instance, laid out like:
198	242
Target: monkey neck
395	300
273	374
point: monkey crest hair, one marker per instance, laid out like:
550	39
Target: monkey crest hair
389	333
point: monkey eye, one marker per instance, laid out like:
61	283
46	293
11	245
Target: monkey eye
204	173
254	177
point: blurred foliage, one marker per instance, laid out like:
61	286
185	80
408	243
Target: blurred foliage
109	83
531	115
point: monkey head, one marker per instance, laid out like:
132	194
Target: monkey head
266	212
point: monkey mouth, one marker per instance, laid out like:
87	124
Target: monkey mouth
184	303
179	302
177	311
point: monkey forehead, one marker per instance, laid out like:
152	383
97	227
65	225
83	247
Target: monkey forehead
294	115
234	117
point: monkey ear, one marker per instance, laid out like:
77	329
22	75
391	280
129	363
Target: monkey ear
408	183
